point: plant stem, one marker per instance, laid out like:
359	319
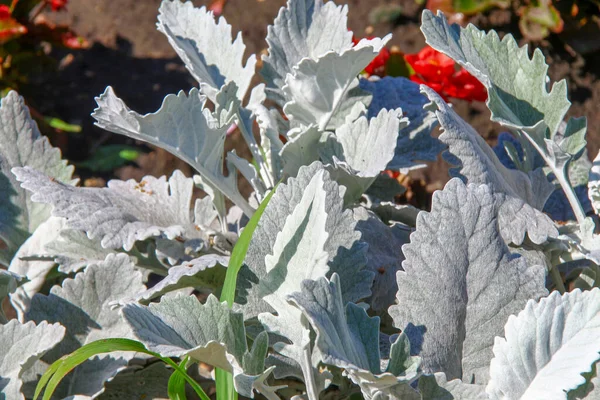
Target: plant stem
309	379
255	150
561	176
557	280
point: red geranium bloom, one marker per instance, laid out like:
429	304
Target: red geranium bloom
463	85
377	66
10	28
432	65
439	72
4	12
58	5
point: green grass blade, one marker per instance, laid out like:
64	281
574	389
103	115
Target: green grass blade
176	388
224	379
59	369
224	385
239	252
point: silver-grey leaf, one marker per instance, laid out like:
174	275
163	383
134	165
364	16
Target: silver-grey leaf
87	380
460	282
21	345
517	85
183	127
384	256
205	272
82	304
323	92
349	339
475	162
303	29
361	149
561	337
210	332
437	387
415	143
345	255
125	211
34	270
21	144
137	382
206	46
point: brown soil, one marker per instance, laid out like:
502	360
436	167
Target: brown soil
137	61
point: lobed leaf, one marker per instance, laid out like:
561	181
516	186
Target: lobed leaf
183	127
21	144
82	305
303	29
561	337
516	84
206	47
204	272
521	195
211	332
126	212
360	150
346	255
324	92
415	142
21	345
461	282
348	338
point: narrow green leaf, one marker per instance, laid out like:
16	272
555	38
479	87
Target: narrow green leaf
239	252
176	388
59	369
224	385
224	379
59	124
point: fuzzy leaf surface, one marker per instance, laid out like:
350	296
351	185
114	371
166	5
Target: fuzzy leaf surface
458	255
303	29
325	91
21	345
34	270
349	339
21	144
207	271
82	304
522	195
437	387
384	256
415	142
345	254
183	127
210	332
206	47
125	211
562	338
517	88
361	149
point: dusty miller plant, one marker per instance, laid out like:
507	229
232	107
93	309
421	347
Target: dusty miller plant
342	291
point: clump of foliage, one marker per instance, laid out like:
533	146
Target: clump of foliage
327	289
23	31
25	37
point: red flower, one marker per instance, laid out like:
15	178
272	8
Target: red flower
439	72
4	12
57	5
432	65
463	85
377	66
10	28
72	41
